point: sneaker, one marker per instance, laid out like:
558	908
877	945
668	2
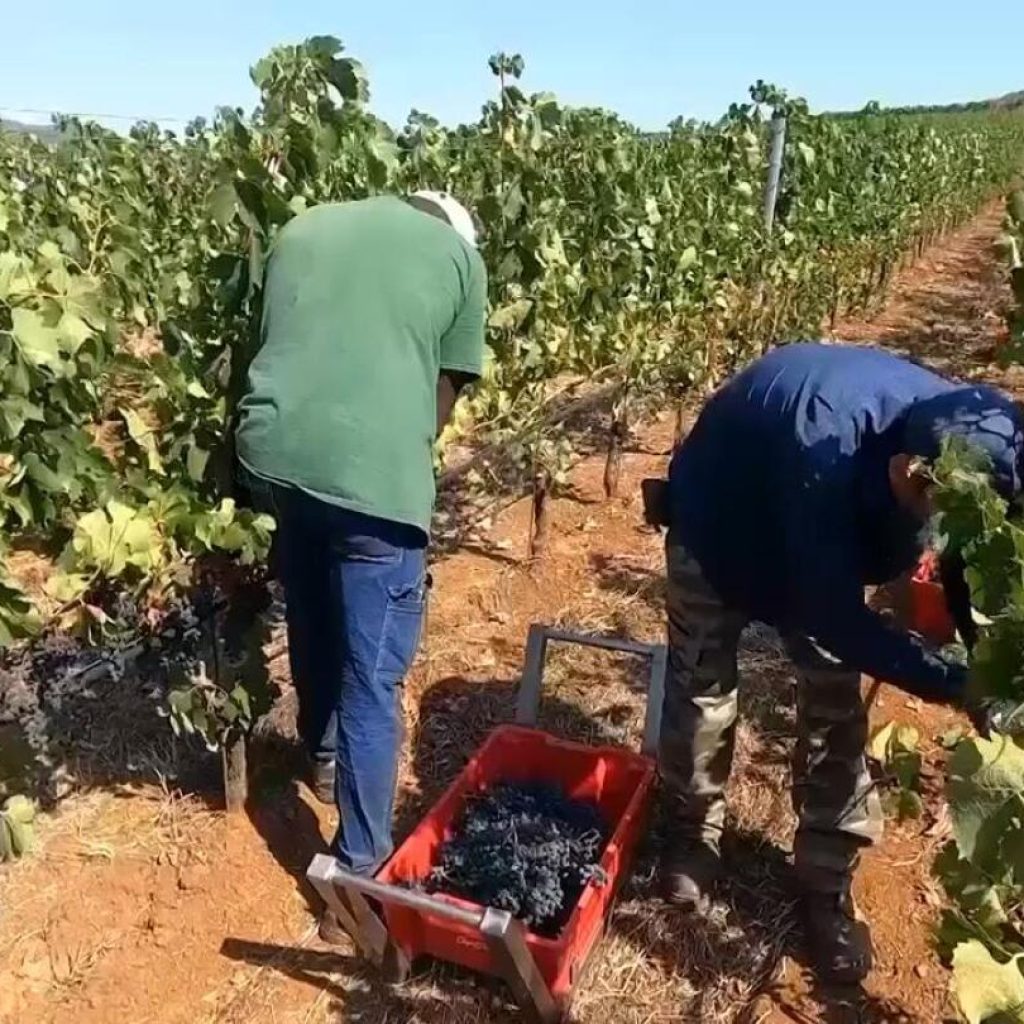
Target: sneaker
321	781
689	871
839	943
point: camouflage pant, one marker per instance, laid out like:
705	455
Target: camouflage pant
838	809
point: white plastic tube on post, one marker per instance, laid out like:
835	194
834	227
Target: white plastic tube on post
771	188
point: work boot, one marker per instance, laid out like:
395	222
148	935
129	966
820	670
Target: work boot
321	781
331	930
839	943
689	870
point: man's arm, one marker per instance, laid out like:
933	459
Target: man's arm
462	347
829	598
861	639
449	384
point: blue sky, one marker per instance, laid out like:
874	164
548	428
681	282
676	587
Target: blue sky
648	61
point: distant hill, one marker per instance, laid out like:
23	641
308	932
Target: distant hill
45	132
1011	101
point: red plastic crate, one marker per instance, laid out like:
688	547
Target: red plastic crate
618	781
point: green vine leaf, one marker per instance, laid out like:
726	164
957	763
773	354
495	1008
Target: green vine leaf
39	344
17	835
988	992
895	747
19	620
145	438
986	777
109	540
510	317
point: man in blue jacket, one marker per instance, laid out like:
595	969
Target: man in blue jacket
801	483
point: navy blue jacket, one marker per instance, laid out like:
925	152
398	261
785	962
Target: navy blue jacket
781	493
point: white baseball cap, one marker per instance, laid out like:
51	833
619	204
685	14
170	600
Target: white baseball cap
454	212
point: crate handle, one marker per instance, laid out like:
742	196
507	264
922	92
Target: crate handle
345	893
326	870
528	701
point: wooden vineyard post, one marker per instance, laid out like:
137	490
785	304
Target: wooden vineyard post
240	679
678	430
833	314
617	431
232	751
232	747
236	774
539	518
884	275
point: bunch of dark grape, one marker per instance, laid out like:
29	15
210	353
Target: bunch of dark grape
525	848
36	680
44	684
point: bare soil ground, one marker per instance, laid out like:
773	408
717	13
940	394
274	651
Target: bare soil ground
144	903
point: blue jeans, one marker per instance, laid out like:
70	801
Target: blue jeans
355	589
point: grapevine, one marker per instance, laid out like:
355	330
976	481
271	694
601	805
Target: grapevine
131	268
527	849
1011	247
982	866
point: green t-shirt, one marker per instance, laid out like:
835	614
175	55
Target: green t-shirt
364	304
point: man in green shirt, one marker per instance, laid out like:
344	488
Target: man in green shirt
373	320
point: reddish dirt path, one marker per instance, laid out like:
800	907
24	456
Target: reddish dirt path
147	906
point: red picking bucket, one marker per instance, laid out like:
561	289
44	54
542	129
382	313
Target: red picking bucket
929	614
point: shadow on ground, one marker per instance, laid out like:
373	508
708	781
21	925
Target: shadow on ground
76	717
456	714
435	994
281	814
731	953
721	963
767	685
718	963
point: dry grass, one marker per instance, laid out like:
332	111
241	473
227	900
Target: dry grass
654	964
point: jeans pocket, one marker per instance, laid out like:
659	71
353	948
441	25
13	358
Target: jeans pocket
403	622
367	549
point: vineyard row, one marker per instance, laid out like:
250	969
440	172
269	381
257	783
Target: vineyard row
130	271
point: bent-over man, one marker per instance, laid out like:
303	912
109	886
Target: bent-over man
801	483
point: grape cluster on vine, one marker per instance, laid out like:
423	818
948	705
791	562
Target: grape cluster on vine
44	683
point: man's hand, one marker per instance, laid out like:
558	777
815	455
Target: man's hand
1000	716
